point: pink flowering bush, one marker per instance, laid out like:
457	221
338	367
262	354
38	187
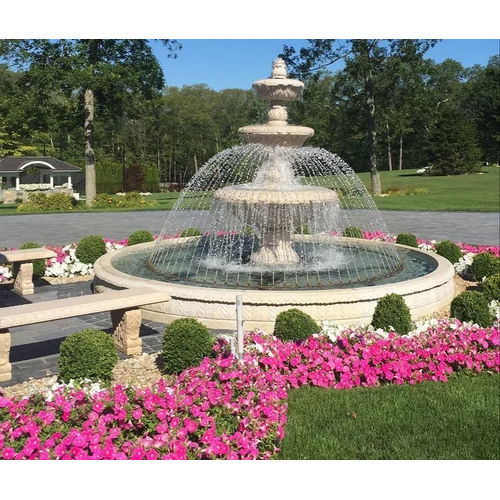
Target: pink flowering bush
224	409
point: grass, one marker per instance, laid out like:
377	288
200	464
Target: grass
456	420
467	193
463	193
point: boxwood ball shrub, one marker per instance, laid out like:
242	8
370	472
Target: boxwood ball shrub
38	264
186	343
90	249
140	237
392	311
294	324
491	287
471	306
484	265
410	240
87	354
352	232
190	231
449	250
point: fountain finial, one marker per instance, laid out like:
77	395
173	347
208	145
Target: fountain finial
279	69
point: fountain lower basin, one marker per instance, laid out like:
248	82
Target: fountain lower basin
214	305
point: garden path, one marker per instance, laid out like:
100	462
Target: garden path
60	229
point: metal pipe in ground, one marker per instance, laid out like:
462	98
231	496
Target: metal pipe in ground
239	326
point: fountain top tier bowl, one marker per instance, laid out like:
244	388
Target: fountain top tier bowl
277	90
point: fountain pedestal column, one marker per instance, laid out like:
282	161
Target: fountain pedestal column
276	250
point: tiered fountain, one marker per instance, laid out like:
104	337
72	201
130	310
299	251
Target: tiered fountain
274	218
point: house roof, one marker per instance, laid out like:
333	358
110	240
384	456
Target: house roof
18	163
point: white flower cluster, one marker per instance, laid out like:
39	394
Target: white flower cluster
5	272
110	247
462	266
495	309
430	247
147	193
35	187
70	266
333	331
86	385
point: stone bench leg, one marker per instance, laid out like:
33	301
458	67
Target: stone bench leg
23	271
5	366
126	325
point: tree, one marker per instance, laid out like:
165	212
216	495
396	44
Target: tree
105	74
364	61
452	143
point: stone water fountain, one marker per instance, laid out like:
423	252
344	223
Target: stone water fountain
275	199
272	220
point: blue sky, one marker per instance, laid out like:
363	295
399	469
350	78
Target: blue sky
237	63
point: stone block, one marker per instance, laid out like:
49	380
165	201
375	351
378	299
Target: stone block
126	328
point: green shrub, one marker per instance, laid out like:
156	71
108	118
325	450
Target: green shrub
90	249
392	311
38	264
294	324
484	265
410	240
140	237
131	200
471	306
87	354
40	202
302	229
186	343
103	200
190	231
491	287
353	232
449	250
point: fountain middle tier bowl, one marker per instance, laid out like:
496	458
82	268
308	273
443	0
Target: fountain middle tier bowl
425	281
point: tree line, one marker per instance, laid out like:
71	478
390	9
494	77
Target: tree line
102	104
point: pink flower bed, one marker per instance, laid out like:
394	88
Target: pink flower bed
224	409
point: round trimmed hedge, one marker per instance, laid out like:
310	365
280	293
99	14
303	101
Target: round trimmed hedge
90	249
491	287
294	324
410	240
472	306
392	311
449	250
39	265
140	237
484	265
353	232
190	231
186	343
87	354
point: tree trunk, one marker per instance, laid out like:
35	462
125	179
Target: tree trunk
400	152
389	155
372	135
90	178
195	164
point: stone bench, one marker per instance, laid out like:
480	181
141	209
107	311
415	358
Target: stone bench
23	266
123	305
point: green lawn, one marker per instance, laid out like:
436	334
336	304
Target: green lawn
456	420
468	193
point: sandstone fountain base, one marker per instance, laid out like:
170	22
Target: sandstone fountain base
215	307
